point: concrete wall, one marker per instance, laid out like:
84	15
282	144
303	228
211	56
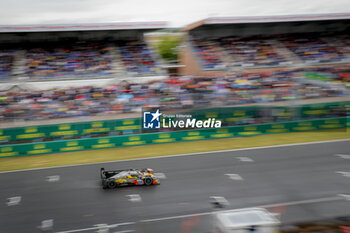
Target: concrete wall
187	58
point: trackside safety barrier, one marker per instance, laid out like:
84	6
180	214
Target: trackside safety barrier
174	136
70	129
230	115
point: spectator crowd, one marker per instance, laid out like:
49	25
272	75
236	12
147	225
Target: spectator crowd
84	59
76	59
79	59
6	63
209	53
266	51
97	59
173	93
312	48
137	58
252	52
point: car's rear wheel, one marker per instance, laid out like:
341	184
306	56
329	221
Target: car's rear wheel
148	181
111	184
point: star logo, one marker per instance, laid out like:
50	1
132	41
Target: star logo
151	120
156	115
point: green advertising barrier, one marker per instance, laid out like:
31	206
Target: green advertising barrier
70	129
168	137
229	116
237	114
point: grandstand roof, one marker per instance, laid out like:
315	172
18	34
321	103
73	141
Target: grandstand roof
267	19
84	27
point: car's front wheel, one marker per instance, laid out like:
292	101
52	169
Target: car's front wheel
148	181
111	184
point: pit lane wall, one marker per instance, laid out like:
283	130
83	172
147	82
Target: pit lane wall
165	137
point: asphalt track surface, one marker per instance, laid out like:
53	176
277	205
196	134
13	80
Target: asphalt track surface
286	174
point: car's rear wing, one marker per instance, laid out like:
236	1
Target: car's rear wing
102	173
106	174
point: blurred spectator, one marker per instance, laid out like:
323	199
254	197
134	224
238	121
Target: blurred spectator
339	74
252	52
246	52
6	64
137	59
80	58
209	53
312	48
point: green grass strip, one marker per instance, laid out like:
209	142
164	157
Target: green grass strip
113	154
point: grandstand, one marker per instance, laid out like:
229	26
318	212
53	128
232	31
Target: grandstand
46	54
227	45
267	59
233	61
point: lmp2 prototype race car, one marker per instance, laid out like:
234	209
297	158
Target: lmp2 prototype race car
118	178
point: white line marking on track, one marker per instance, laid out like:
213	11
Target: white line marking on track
96	228
126	231
160	175
234	176
176	217
343	156
103	228
345	174
310	201
219	201
180	155
245	159
46	225
134	197
53	178
345	196
11	201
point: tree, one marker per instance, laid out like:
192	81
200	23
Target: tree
168	47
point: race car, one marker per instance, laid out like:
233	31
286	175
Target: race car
118	178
